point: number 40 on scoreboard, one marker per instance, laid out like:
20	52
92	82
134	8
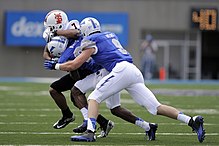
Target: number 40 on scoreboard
204	18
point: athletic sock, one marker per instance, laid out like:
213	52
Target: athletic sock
183	118
91	124
141	123
84	112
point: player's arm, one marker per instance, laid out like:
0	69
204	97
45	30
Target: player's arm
69	33
77	62
46	54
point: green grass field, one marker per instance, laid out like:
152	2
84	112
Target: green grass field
27	114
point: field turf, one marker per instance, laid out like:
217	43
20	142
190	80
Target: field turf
27	114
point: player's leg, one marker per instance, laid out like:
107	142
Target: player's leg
112	83
56	88
144	97
196	122
113	103
125	114
80	101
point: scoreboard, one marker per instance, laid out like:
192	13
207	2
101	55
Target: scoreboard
204	18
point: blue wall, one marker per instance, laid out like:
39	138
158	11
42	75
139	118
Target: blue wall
25	28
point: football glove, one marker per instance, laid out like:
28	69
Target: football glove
50	64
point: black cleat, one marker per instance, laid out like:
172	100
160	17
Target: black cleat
151	133
105	130
64	121
197	126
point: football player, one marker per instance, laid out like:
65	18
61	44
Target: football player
107	51
57	24
112	103
82	86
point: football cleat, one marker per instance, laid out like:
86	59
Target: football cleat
64	121
151	133
197	126
105	130
86	137
82	128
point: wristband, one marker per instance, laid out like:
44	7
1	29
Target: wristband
57	66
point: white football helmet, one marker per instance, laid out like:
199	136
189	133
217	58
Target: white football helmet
89	25
56	20
57	45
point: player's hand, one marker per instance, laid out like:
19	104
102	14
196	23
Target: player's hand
50	64
48	34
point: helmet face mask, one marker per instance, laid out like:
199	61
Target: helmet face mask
56	20
89	25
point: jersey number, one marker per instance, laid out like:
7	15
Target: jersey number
73	24
119	46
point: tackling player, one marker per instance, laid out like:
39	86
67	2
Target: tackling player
112	103
107	51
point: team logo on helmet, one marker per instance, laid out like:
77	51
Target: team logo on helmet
58	18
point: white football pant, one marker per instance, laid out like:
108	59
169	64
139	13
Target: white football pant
89	83
126	76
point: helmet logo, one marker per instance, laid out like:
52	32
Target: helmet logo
52	48
58	18
92	22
